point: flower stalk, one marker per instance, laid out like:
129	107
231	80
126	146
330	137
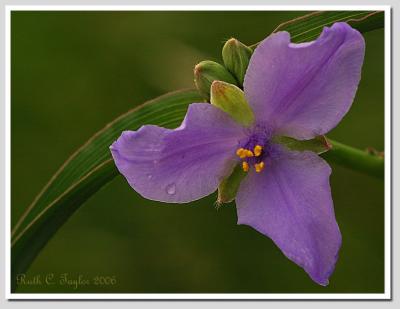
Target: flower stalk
355	159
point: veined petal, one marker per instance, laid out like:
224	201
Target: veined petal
179	165
304	90
290	202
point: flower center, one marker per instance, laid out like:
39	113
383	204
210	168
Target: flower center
256	154
256	148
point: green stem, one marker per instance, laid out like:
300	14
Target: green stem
355	159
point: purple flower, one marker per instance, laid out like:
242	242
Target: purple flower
295	90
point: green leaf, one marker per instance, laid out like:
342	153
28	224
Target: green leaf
308	27
84	173
318	144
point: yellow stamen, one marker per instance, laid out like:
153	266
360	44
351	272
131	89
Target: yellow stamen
244	153
241	153
245	166
259	167
257	150
249	153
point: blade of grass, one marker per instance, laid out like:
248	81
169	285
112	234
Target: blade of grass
308	27
84	173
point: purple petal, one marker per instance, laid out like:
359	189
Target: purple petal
304	90
290	202
179	165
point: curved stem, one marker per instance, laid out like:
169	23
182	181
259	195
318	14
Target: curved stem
355	159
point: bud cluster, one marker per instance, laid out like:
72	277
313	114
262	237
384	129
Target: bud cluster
235	56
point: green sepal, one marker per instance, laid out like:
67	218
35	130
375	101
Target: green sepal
319	144
231	100
228	188
208	71
236	57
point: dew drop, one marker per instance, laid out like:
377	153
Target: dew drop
171	189
149	176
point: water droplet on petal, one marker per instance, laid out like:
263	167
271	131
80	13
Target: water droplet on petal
171	189
149	176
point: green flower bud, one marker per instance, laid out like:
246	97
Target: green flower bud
208	71
231	100
228	188
236	57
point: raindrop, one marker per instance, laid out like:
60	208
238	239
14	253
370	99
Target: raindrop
171	189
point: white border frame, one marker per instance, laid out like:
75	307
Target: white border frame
204	296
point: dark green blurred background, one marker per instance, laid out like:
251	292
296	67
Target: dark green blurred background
73	72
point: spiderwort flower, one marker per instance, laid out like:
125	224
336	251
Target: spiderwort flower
295	90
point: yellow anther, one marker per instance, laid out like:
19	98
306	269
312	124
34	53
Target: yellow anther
259	167
244	153
249	153
245	166
257	150
241	153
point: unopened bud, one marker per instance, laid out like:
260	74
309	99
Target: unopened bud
231	100
208	71
236	57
